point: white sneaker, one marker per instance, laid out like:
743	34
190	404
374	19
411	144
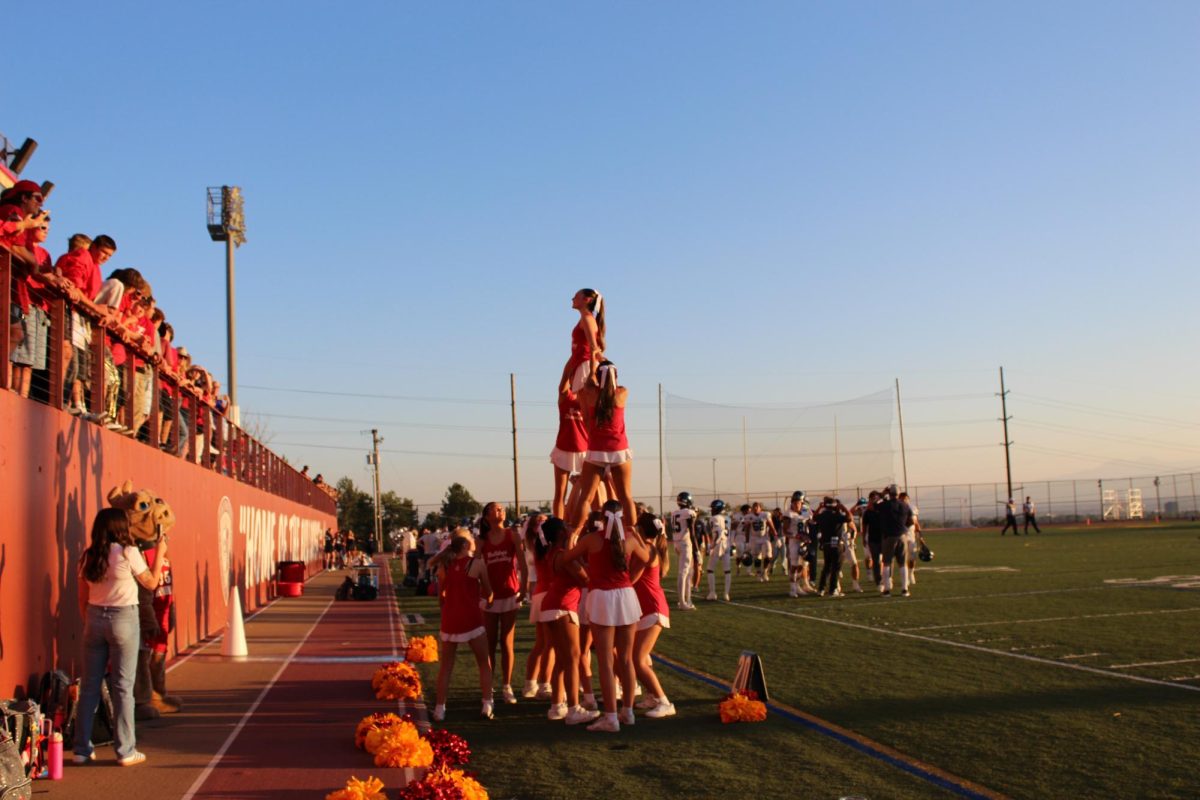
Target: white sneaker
439	713
646	703
543	692
605	724
578	715
506	694
661	710
625	716
726	598
487	710
557	711
711	596
78	759
530	691
588	701
856	587
134	758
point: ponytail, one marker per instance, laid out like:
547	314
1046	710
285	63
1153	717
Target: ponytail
606	379
614	532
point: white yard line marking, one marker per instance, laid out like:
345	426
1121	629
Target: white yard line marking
1055	619
216	759
1083	655
1154	663
976	648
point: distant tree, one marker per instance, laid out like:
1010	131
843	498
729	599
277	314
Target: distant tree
459	504
356	509
398	512
433	520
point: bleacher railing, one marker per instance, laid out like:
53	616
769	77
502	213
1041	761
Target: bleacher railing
212	441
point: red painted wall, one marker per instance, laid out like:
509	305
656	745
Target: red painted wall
55	471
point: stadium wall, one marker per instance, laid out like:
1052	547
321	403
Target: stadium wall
57	471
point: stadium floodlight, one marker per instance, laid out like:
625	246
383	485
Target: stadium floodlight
227	223
19	158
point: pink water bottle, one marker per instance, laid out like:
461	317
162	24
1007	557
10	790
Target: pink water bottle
54	756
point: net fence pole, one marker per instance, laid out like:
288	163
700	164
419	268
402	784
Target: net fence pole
512	390
903	452
745	463
660	449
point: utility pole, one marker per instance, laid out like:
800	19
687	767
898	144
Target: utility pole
512	388
376	439
903	452
745	463
1007	442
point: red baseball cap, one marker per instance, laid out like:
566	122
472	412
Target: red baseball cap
25	187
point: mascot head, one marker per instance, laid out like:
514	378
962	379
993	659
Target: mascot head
149	514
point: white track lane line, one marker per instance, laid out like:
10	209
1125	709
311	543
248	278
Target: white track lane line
1055	619
216	759
205	645
963	645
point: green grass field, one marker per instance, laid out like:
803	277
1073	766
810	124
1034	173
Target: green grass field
1048	666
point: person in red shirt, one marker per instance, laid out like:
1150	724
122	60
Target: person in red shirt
31	353
168	394
20	212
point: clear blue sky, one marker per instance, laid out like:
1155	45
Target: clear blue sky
783	202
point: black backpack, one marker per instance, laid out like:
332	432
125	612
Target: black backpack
14	783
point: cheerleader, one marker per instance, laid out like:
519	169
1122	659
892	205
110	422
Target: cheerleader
560	613
587	340
613	610
656	614
720	548
540	664
464	582
608	456
569	448
500	549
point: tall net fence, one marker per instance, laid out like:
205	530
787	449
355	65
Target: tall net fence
764	452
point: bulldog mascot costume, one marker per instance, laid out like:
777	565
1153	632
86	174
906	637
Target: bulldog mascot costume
149	520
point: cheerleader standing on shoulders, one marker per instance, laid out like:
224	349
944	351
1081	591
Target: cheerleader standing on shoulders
560	613
613	610
540	664
464	582
569	448
500	549
587	340
656	614
608	456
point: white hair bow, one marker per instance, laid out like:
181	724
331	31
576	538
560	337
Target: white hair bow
614	525
603	373
658	525
541	536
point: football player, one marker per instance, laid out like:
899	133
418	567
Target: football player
720	549
795	522
760	528
683	531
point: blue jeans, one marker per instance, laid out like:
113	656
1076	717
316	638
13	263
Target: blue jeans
110	637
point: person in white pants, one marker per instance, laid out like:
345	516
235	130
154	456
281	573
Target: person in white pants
683	526
719	548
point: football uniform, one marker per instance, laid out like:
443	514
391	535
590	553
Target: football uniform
760	544
720	550
683	522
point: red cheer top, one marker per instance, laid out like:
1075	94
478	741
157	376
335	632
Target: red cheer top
572	432
581	351
501	561
460	599
543	569
601	572
562	592
609	437
649	592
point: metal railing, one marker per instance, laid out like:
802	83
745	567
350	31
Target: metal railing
195	428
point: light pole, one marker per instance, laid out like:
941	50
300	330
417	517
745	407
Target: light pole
227	223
